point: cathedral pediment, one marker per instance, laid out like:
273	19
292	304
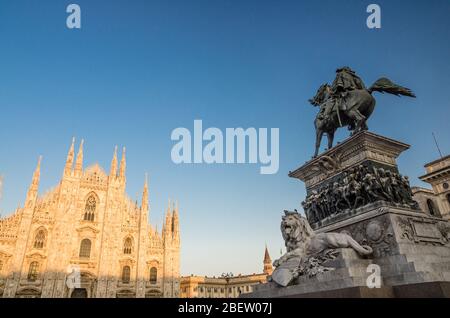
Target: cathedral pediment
36	255
95	169
153	262
4	255
95	176
88	228
127	260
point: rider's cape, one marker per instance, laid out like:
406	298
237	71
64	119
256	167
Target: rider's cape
346	81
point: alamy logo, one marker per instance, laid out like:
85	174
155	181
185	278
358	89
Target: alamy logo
374	279
374	19
73	21
240	146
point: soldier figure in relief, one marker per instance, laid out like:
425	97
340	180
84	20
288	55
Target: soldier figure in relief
357	187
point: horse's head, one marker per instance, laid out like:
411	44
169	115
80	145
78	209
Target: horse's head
321	95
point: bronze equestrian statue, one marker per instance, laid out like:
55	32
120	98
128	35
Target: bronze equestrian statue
347	102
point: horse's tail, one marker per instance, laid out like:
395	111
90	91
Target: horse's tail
384	85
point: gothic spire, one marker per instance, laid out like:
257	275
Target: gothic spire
175	222
145	196
168	213
113	171
36	175
168	222
267	258
69	161
33	189
268	268
175	212
123	165
79	162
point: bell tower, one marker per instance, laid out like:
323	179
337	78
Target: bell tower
268	268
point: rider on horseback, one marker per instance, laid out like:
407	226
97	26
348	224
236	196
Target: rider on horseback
346	80
347	102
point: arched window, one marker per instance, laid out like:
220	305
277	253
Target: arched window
126	273
448	198
128	246
33	271
153	275
85	248
432	208
39	240
89	209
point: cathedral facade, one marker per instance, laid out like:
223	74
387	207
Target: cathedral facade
87	238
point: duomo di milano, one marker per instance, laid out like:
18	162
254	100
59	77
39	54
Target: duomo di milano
88	225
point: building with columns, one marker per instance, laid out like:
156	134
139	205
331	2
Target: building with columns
435	200
226	286
87	238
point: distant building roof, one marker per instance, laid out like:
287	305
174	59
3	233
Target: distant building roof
437	161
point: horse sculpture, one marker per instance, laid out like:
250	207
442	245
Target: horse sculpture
359	106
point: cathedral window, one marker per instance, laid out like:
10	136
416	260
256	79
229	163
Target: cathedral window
128	246
33	271
39	240
153	275
126	273
85	248
89	210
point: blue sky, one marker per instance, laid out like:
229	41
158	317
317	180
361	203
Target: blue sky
139	69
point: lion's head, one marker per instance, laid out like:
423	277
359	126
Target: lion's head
295	227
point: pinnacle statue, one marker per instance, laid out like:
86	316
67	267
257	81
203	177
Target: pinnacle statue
347	102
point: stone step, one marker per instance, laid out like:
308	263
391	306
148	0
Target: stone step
399	279
316	285
428	258
345	263
392	259
396	269
446	276
414	278
421	265
433	267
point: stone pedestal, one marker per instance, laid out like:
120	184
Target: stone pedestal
410	248
365	155
363	148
